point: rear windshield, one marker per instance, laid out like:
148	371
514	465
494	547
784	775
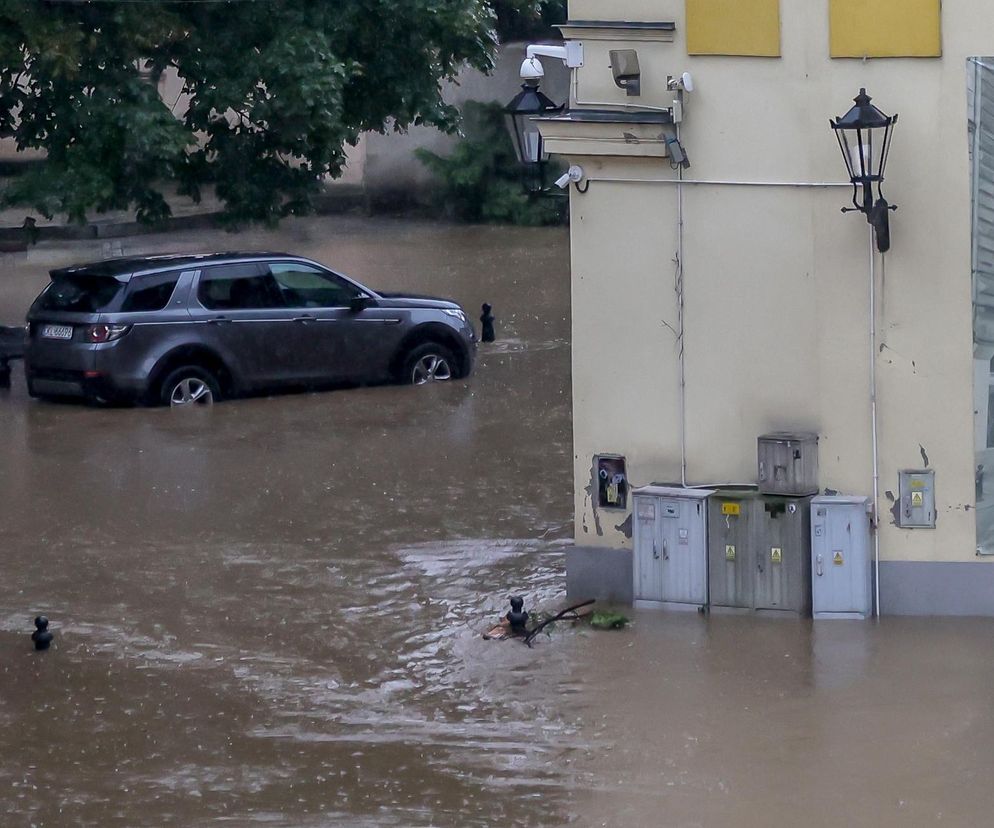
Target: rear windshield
80	292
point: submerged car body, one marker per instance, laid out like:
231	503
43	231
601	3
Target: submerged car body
194	328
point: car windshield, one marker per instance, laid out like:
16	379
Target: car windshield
80	292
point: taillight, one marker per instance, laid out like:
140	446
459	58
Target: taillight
105	333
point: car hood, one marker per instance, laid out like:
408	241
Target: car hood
413	300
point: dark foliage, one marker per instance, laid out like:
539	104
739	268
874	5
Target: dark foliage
528	19
275	90
481	179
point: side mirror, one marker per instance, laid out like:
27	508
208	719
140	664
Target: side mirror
359	303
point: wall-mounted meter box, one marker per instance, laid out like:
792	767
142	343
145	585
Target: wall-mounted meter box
916	506
842	582
788	463
670	532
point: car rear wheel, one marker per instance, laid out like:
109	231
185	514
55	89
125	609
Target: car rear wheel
189	386
427	363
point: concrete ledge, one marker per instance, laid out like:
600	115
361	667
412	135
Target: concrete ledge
596	572
16	239
928	588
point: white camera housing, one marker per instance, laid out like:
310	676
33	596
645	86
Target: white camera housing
574	175
571	54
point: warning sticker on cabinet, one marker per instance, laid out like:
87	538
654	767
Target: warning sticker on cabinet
917	499
776	555
729	552
731	509
837	559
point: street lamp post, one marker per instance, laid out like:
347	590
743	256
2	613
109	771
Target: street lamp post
528	104
864	135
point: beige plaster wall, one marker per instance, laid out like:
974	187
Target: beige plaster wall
776	279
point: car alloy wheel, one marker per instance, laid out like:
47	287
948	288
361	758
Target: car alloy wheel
191	391
431	368
189	386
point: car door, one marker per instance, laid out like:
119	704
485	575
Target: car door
333	340
247	323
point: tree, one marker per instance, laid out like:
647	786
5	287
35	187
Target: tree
276	90
527	19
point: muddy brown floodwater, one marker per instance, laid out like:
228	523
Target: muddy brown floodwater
269	613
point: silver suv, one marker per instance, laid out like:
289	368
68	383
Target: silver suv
192	329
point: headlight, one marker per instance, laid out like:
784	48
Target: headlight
458	314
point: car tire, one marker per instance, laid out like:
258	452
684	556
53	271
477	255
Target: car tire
189	386
428	363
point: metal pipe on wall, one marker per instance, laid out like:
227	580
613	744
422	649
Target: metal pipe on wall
681	345
873	421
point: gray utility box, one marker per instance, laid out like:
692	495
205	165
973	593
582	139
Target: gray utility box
759	552
670	566
732	548
840	557
788	463
783	554
917	493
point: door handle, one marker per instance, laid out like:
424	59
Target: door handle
655	552
820	573
217	320
666	552
305	318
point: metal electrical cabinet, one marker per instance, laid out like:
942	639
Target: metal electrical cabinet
840	557
732	548
788	463
917	492
670	567
782	532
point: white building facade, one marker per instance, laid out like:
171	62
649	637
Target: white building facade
738	302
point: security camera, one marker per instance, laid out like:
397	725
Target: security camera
571	53
572	176
532	69
678	155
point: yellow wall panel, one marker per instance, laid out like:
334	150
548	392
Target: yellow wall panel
886	28
733	27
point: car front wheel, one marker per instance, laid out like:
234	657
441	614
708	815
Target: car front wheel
427	363
190	386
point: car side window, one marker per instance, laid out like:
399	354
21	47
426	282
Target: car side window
245	286
304	286
150	293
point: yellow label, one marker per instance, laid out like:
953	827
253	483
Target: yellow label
776	555
729	552
917	484
917	499
837	560
731	509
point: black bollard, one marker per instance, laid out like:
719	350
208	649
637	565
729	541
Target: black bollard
487	333
42	637
517	617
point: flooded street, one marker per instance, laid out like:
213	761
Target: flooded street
270	612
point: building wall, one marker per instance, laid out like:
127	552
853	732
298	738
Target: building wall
776	279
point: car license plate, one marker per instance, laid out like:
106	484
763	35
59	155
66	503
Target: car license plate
56	331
